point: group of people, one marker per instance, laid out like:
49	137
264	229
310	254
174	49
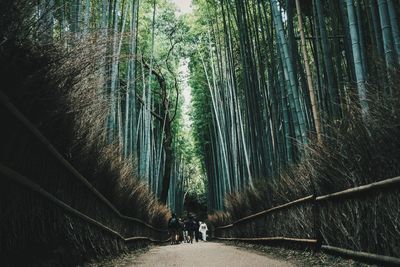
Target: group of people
186	230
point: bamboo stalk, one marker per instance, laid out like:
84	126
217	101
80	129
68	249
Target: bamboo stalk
386	29
357	57
290	76
311	90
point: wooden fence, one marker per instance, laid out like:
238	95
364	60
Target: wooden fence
95	210
238	230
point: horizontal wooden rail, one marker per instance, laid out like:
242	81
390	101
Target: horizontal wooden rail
391	261
225	226
10	106
392	184
286	205
277	238
363	189
22	180
388	183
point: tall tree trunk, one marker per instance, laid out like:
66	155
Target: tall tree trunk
168	160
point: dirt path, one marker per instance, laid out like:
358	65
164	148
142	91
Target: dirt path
205	254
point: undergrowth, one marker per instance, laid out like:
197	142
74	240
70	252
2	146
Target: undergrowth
354	151
59	87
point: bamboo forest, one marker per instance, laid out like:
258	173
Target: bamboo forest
267	124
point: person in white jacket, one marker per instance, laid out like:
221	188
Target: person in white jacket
203	230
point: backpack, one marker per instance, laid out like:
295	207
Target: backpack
173	223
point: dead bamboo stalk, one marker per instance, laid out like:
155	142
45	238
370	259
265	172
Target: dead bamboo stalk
311	90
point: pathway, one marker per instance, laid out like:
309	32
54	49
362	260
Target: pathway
205	254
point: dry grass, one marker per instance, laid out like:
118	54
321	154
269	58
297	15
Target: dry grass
354	153
61	91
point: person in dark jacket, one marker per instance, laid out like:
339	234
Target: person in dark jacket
190	227
180	230
196	230
173	228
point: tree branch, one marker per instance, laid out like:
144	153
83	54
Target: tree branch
175	80
156	115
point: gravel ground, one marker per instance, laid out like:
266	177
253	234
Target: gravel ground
119	261
208	254
301	258
221	254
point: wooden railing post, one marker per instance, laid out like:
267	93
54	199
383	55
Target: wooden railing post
316	224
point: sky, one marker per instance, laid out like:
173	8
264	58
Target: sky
186	93
183	5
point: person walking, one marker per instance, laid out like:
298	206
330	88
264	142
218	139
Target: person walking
196	229
191	228
173	227
185	231
203	230
180	230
